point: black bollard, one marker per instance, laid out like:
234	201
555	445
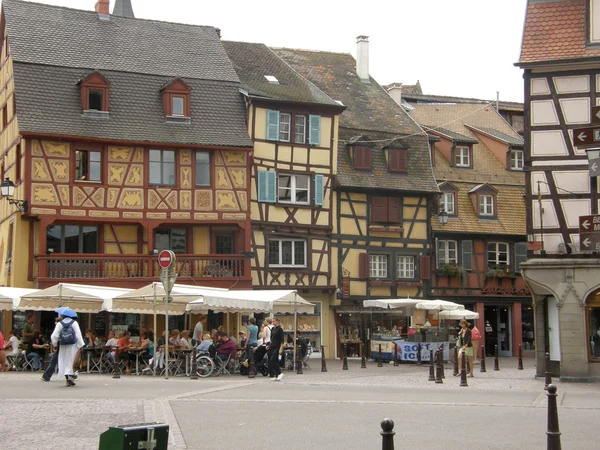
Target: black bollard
419	362
455	371
299	370
520	363
395	355
553	431
116	369
251	363
323	363
482	368
496	364
443	369
363	360
463	371
380	358
345	359
387	435
548	381
431	368
194	374
438	368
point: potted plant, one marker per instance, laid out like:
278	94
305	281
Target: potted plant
453	270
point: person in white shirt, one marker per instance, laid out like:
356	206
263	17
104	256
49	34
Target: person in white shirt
199	330
14	342
112	342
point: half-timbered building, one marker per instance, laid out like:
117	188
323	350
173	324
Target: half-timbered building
120	145
384	191
561	57
293	125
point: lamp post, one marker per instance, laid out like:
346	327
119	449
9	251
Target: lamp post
7	190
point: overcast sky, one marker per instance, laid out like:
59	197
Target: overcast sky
463	48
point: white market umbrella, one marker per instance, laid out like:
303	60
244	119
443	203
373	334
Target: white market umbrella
390	303
458	314
438	305
10	296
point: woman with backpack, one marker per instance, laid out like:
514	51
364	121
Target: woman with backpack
68	335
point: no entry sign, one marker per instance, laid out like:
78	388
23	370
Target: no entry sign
166	259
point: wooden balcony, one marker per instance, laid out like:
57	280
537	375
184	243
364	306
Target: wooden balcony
139	270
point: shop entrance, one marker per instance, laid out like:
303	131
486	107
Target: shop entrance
498	326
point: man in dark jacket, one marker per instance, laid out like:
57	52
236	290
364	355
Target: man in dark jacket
273	348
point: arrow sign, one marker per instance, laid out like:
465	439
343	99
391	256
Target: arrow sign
594	168
589	136
589	224
591	242
595	114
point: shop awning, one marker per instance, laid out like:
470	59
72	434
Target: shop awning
386	303
277	301
10	296
458	314
81	298
438	305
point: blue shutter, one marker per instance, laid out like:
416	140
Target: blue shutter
272	125
467	255
319	190
520	255
267	186
314	130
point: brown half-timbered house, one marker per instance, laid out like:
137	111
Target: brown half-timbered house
384	192
121	146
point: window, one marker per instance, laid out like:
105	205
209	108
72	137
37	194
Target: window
176	100
5	116
94	93
88	165
95	99
497	255
462	157
177	104
593	326
72	239
362	158
284	127
446	252
288	127
517	159
405	266
174	239
378	266
300	130
18	161
294	188
447	203
386	210
202	169
594	22
486	205
287	253
397	160
162	167
224	244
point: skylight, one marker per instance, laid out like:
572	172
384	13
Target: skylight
271	79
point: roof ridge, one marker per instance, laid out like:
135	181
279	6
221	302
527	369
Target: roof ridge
312	51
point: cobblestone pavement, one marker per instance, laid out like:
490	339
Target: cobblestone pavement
325	408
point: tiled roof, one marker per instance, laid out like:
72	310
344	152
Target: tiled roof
424	98
253	61
510	206
555	30
57	36
456	137
498	135
49	101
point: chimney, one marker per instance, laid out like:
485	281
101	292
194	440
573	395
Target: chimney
395	91
102	7
123	8
362	58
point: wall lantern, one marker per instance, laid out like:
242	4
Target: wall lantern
7	190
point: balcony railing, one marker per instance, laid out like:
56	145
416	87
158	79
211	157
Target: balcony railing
136	266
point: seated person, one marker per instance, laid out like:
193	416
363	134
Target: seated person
184	340
207	346
226	347
174	338
124	344
14	343
90	340
147	346
36	349
111	342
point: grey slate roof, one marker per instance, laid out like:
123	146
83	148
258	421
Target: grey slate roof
57	36
495	134
49	101
253	61
457	137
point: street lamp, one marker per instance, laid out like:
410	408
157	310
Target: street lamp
7	190
443	216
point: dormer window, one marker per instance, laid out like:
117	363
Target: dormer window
362	158
462	156
95	99
397	160
178	106
486	205
448	200
484	199
94	95
176	101
594	22
517	159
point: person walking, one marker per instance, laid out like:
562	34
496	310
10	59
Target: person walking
28	329
273	348
465	346
199	330
475	339
68	335
51	369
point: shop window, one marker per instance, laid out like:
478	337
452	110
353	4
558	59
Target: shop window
405	267
162	167
202	169
174	239
378	266
386	210
498	255
593	322
447	252
287	253
527	328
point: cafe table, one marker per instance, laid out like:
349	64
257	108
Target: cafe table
136	351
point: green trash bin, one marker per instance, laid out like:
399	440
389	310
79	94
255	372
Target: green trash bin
147	436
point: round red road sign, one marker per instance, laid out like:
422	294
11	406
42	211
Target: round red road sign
166	258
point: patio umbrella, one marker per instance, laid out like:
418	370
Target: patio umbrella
66	312
438	305
386	303
458	314
10	296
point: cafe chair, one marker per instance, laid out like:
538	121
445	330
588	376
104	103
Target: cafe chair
27	364
222	365
13	361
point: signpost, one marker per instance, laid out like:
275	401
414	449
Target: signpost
589	232
166	261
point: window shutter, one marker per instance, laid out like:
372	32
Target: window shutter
402	160
397	160
267	186
379	209
363	265
394	210
319	190
467	255
314	130
272	125
425	267
520	254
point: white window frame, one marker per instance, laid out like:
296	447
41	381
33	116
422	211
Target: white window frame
294	189
498	248
517	159
486	205
300	136
378	266
462	154
444	202
285	127
444	247
281	241
405	267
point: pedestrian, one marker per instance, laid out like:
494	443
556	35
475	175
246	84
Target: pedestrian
2	353
274	348
252	334
475	339
199	330
465	346
51	369
28	329
68	335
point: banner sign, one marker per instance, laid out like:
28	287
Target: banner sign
408	350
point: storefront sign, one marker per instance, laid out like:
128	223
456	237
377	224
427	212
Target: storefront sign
345	287
408	350
505	291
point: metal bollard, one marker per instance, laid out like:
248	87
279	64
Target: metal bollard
419	362
194	374
496	364
363	360
345	359
482	369
431	368
395	354
520	363
443	369
323	363
251	364
455	371
387	435
438	368
548	381
380	358
553	431
463	371
299	370
116	369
